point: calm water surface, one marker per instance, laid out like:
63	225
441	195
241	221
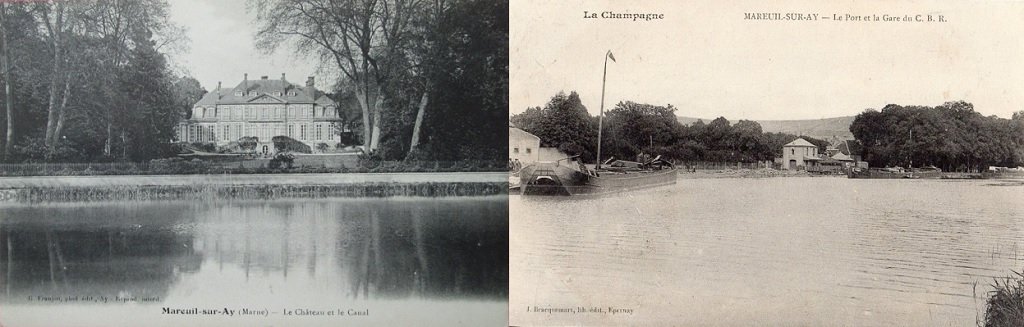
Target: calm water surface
440	255
782	251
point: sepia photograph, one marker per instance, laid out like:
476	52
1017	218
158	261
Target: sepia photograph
745	163
253	163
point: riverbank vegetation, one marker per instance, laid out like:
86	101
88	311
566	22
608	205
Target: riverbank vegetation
630	128
90	81
951	136
1005	305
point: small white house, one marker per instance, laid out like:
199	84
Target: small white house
523	146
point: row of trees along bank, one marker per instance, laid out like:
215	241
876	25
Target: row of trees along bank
951	136
631	128
88	81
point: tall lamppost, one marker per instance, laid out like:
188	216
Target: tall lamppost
600	116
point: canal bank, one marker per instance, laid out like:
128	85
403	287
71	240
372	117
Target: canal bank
154	187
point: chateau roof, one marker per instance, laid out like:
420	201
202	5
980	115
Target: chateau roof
800	142
268	89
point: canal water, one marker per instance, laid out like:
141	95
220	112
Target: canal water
390	261
774	251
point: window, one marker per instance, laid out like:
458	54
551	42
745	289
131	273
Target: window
515	150
227	132
291	130
527	150
302	132
330	132
792	151
319	135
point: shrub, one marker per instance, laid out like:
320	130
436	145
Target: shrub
1006	303
205	147
281	159
286	144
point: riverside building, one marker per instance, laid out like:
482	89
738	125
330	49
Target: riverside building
263	108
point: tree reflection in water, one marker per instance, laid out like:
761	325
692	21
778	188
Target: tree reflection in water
398	248
68	252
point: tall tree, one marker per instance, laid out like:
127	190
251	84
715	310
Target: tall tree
563	123
365	39
5	69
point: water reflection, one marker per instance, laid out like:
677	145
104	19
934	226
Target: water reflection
452	248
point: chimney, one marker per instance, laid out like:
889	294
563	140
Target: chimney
263	77
282	77
245	84
311	87
218	90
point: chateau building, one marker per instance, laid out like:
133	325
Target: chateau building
263	108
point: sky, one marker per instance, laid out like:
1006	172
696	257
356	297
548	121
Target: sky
705	59
221	46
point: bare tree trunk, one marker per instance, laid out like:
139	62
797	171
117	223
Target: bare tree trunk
363	97
51	117
375	139
106	145
58	71
419	122
5	65
124	145
63	106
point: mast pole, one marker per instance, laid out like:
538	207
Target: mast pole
600	116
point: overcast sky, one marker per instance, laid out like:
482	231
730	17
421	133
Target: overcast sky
706	60
221	47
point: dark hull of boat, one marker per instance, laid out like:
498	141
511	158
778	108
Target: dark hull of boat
561	180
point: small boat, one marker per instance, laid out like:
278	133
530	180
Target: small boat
565	177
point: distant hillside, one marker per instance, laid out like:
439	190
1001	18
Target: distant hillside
816	128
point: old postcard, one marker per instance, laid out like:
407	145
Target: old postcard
783	163
253	163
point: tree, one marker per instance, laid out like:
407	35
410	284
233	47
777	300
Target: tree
5	70
633	128
951	136
563	123
363	38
